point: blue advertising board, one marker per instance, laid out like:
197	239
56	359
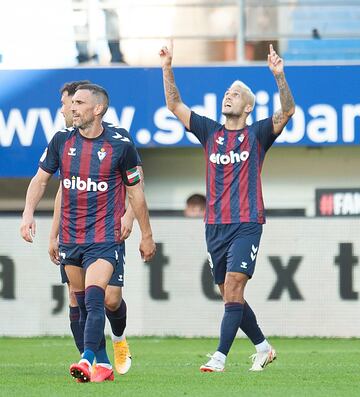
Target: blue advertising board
327	99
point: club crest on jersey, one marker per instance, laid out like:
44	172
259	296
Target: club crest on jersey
101	154
241	137
72	151
220	140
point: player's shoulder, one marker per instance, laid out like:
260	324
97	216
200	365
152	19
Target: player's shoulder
64	134
115	133
261	123
205	119
115	128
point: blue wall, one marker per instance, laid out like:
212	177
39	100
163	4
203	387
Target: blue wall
326	97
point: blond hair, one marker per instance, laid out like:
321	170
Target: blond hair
247	90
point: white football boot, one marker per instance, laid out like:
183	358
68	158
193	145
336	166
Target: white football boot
262	359
215	364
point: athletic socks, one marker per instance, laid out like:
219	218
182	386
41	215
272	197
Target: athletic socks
263	347
250	326
95	321
87	357
77	331
101	355
89	354
229	326
117	321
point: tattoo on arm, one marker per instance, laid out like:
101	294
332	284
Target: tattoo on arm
279	119
171	92
286	98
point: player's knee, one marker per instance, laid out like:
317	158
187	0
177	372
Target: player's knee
112	305
72	298
234	287
112	300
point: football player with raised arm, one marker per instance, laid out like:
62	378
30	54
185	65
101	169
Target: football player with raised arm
235	214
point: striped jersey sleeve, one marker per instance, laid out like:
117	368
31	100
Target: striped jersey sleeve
49	161
128	166
202	127
264	131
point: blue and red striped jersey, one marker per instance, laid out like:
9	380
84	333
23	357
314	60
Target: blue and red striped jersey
93	174
234	160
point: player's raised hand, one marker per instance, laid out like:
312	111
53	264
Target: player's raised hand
276	64
147	248
166	54
28	228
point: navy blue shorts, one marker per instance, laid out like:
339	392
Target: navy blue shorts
232	248
83	255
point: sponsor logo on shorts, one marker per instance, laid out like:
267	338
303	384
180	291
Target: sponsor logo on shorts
253	252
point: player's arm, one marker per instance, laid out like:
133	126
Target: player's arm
128	218
34	194
139	206
282	116
54	232
172	96
128	166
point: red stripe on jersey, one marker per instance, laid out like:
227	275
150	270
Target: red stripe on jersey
82	195
244	182
102	197
259	198
211	172
65	193
228	171
119	205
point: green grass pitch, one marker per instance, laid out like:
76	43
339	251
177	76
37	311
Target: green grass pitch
170	367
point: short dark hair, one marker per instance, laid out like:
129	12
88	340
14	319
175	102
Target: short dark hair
196	200
71	87
98	91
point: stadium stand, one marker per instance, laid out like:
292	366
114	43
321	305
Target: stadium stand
337	30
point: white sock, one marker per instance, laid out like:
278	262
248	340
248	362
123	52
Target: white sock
117	338
263	347
219	356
